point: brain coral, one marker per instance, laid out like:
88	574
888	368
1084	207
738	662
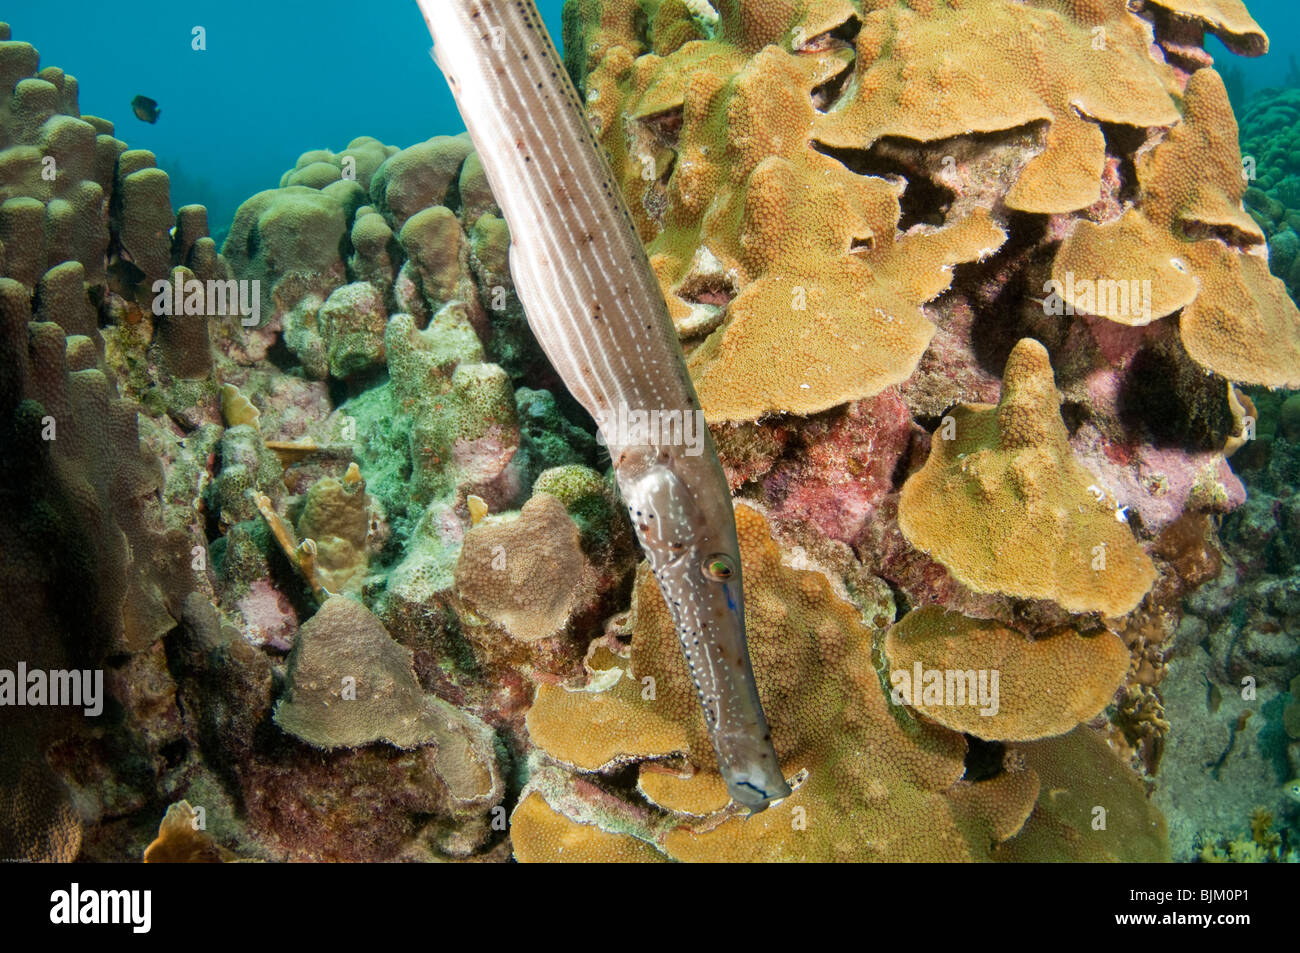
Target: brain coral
1004	506
871	782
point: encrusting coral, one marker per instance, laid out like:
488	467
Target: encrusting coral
350	684
1045	686
526	574
807	176
759	232
871	781
1190	237
1004	506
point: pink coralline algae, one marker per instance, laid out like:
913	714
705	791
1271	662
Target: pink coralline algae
846	467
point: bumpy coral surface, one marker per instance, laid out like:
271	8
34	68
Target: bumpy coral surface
1004	506
871	781
806	176
1045	687
1236	319
1270	146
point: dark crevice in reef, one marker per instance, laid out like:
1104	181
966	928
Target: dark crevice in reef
902	604
664	128
715	289
1012	310
279	355
669	167
1122	143
839	36
983	759
903	466
1167	397
923	202
1234	238
827	93
1075	415
452	201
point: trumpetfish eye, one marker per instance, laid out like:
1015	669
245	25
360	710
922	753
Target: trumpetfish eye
718	567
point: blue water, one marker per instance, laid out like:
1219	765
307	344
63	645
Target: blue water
273	82
1277	17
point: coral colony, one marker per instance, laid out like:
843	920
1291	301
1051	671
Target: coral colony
310	554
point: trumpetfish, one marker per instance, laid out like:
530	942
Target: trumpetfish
596	308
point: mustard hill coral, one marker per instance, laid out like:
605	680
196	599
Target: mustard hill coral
937	70
822	294
877	786
807	176
341	519
1226	19
1079	774
1005	507
543	835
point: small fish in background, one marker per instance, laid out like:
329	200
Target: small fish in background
145	109
1292	789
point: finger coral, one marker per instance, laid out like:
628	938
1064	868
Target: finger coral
1004	506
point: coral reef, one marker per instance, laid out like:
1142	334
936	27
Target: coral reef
1269	147
1004	506
1046	686
1230	690
192	512
974	304
871	781
876	128
96	553
1193	240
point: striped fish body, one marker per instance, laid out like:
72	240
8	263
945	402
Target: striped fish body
595	306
